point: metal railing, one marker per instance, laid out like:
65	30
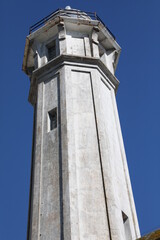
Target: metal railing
68	13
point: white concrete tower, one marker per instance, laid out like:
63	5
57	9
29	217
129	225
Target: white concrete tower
80	184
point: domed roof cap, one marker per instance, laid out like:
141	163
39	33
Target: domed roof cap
68	8
74	13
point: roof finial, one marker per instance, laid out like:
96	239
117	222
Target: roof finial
68	8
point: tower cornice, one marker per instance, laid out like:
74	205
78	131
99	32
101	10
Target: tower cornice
73	60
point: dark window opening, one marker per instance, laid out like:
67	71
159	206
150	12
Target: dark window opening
124	216
127	229
51	50
52	119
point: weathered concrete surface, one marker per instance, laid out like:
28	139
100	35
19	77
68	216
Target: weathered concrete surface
80	181
95	182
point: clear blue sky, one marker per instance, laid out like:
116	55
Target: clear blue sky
136	25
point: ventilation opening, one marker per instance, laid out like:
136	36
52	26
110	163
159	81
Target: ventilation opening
52	119
127	229
51	50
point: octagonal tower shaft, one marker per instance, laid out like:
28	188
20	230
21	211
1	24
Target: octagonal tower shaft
80	185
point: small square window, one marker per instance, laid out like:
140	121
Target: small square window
124	216
127	230
52	119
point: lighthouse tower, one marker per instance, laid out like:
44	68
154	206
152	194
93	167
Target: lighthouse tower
80	185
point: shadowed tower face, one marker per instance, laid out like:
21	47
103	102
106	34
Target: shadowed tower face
80	185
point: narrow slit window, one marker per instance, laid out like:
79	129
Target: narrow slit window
127	229
51	50
52	119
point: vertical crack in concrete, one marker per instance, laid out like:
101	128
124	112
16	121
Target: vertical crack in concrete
60	160
100	157
41	162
